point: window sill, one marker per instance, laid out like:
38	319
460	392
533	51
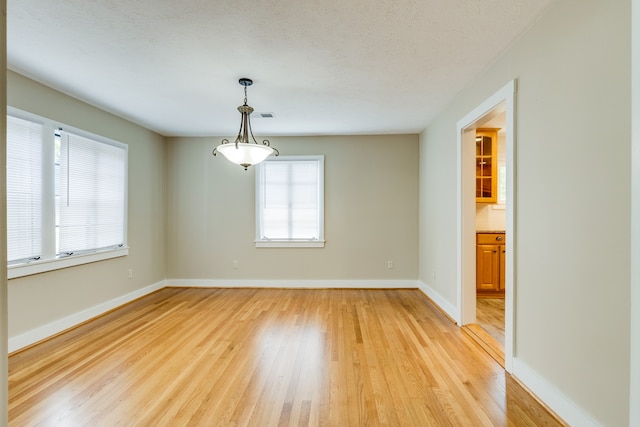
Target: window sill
36	267
290	244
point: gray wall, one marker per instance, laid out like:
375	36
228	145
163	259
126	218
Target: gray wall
371	192
43	298
572	202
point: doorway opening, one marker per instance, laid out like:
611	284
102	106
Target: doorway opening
486	171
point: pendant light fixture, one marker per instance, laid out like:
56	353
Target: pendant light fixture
243	151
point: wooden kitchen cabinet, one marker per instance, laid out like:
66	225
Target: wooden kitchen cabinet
486	165
503	263
490	264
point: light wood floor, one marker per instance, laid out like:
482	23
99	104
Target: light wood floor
490	316
258	357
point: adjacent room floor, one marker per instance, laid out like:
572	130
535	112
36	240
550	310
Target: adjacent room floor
490	316
267	357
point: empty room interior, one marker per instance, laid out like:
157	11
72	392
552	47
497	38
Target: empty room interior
436	220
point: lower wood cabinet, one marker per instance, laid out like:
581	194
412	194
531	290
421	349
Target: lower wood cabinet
490	264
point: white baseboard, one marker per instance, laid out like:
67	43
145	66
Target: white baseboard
566	409
451	311
53	328
293	284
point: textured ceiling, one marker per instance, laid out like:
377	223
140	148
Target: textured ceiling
320	66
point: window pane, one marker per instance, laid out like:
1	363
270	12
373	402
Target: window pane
502	184
91	203
24	189
290	200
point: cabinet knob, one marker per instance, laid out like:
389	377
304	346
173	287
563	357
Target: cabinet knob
498	238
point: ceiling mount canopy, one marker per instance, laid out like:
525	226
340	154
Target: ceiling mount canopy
244	151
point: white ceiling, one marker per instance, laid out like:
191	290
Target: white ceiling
320	66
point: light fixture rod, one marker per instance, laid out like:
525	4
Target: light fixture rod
245	153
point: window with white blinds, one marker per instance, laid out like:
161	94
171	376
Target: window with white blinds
91	205
66	195
24	189
290	202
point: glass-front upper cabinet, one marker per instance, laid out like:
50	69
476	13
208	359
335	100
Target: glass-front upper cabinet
486	165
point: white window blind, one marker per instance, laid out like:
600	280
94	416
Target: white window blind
91	194
24	189
66	195
290	199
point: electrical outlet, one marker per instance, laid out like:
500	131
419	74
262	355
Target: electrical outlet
131	273
390	264
235	264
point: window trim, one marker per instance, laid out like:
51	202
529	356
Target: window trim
45	265
290	243
57	262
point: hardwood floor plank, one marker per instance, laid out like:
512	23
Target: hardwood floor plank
486	341
490	316
267	357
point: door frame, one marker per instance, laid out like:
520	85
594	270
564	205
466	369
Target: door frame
466	211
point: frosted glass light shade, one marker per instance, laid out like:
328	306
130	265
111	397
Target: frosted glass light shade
244	154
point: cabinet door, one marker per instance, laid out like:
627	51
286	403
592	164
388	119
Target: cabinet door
486	165
503	263
487	266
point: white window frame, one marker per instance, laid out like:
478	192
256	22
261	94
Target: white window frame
262	242
50	261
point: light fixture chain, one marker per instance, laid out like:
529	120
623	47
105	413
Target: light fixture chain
245	95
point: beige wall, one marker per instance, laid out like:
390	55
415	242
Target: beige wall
43	298
572	209
634	404
371	191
